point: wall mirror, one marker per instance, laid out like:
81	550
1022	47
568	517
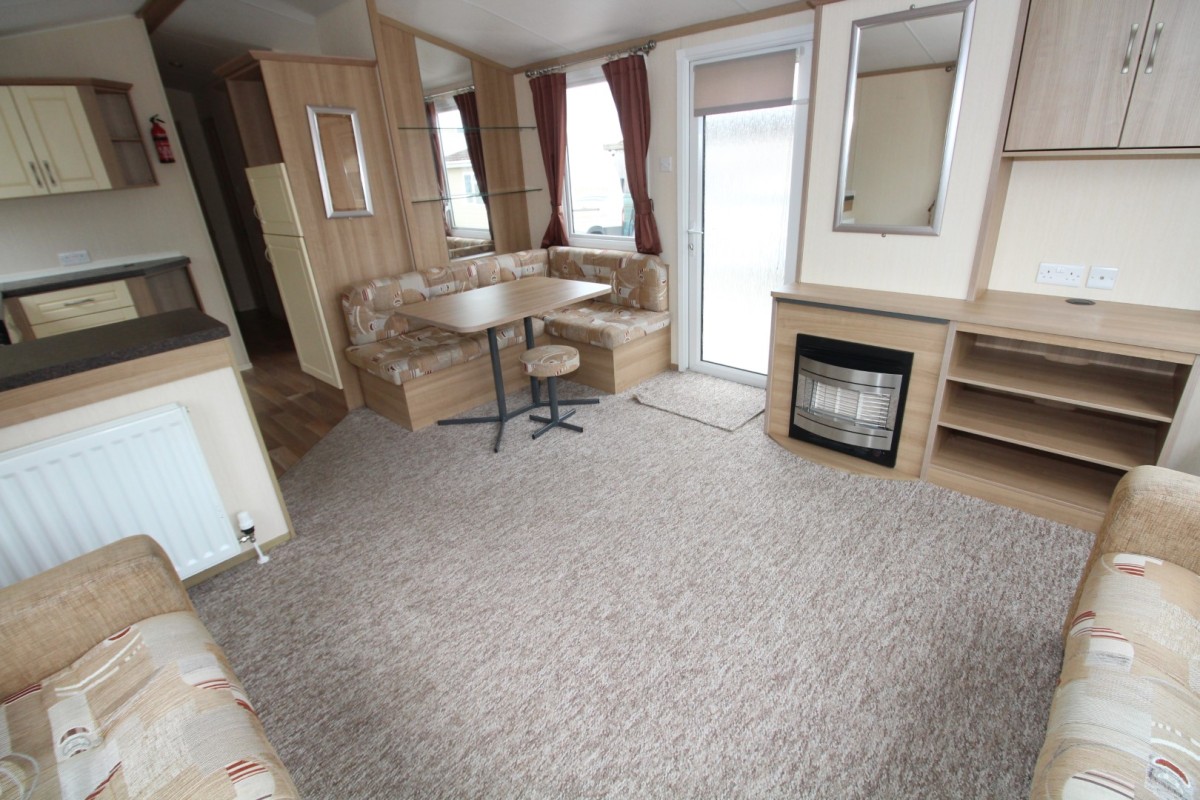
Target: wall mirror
457	148
903	94
337	142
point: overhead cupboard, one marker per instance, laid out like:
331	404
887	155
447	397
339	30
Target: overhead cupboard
62	135
1107	74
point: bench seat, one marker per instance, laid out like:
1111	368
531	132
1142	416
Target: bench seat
604	324
415	354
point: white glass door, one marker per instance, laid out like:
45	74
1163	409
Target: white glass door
744	192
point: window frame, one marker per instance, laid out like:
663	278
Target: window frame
584	77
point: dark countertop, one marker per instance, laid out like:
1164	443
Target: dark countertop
52	282
31	362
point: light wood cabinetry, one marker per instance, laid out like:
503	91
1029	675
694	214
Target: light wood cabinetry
1051	426
57	139
1104	74
298	290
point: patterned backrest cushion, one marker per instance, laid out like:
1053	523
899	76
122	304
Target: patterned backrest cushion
637	280
509	266
370	307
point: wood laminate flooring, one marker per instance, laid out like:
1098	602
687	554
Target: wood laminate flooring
294	410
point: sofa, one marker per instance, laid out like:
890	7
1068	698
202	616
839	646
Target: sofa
1125	720
113	688
415	376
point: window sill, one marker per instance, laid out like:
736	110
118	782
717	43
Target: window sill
624	243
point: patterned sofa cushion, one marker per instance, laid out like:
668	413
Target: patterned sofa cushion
637	280
426	350
1126	708
461	246
370	307
152	711
604	324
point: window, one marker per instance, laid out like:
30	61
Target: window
598	199
465	210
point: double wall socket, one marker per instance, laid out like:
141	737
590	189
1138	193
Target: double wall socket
1061	274
74	257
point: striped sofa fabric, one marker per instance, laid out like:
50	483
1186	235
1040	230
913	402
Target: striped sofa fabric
1125	720
152	711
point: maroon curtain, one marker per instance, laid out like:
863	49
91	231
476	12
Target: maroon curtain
627	81
550	111
436	143
470	120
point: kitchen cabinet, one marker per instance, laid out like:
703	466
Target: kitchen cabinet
58	138
275	207
54	304
1107	74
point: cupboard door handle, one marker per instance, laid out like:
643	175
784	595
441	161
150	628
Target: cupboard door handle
49	174
267	253
1154	47
37	174
82	302
1129	48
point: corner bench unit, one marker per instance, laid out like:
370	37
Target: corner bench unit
417	376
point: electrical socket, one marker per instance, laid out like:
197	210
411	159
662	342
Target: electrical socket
74	257
1060	274
1102	278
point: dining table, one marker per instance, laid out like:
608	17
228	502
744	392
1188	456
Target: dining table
491	307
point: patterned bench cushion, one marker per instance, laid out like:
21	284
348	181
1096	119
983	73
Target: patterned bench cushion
461	246
371	307
604	324
426	350
1126	718
637	280
152	711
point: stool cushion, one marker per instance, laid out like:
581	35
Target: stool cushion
550	360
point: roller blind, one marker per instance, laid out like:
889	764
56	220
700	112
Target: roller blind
740	84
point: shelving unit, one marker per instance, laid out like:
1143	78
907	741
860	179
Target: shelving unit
1050	427
501	193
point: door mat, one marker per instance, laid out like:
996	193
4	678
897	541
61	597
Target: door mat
713	401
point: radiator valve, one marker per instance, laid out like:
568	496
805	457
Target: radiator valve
246	526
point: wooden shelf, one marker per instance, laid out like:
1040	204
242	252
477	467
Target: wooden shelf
1089	436
1147	395
1057	488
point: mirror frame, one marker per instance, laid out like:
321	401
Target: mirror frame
967	8
318	152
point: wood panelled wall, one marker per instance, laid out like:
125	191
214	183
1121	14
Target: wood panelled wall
404	101
350	249
497	101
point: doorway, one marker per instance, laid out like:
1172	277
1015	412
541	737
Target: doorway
745	125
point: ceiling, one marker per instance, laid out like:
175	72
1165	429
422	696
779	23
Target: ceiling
202	34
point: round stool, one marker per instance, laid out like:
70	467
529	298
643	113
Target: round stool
548	362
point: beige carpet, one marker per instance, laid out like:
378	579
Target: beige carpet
651	608
703	398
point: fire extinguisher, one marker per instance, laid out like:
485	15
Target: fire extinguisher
161	143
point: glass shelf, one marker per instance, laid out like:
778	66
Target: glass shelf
459	128
446	198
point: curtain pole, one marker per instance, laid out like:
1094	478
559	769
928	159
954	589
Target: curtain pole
641	48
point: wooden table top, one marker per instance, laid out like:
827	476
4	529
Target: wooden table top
501	303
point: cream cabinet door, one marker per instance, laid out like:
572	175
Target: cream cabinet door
273	202
298	290
19	172
1165	108
61	137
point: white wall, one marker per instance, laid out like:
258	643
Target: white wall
346	31
110	224
223	427
1139	215
663	188
928	265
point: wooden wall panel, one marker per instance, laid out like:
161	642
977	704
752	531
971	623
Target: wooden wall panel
351	249
497	102
400	76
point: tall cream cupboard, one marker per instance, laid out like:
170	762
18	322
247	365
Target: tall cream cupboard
276	209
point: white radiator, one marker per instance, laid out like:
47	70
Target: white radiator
69	495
